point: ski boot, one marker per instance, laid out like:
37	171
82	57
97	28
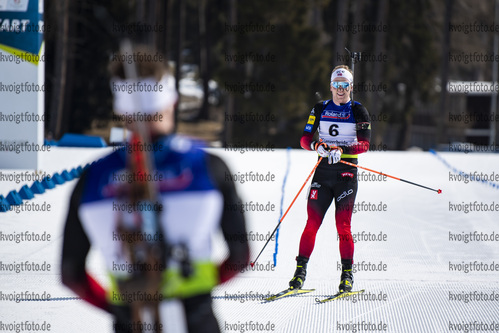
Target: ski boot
346	280
300	273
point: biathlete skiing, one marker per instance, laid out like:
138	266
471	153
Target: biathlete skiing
192	196
344	131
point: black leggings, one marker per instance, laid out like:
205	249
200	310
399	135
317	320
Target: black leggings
331	182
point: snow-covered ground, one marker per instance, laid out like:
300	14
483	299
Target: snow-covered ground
420	271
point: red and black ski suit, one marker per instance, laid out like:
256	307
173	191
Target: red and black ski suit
349	128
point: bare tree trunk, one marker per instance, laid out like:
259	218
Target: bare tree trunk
230	97
315	15
169	27
406	128
355	46
375	100
152	19
340	35
204	57
181	17
357	13
444	74
163	8
61	55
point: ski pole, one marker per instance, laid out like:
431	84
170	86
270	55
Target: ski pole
287	210
384	174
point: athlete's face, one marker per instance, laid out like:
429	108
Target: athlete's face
340	95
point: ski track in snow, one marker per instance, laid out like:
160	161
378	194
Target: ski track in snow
415	289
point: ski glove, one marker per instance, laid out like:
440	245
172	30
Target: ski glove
333	153
321	148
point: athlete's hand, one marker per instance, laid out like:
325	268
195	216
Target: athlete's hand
335	155
332	153
322	149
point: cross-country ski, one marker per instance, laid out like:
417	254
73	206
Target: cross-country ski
339	295
286	293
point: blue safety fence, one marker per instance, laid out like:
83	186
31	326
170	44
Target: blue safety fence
468	175
26	192
78	140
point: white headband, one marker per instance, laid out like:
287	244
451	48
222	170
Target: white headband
341	72
143	95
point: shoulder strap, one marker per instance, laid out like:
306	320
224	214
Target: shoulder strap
321	106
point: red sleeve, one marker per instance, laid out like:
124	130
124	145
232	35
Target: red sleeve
89	290
306	140
226	270
358	148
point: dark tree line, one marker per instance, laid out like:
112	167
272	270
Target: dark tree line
307	39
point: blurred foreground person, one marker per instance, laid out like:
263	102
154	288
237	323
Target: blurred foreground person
151	208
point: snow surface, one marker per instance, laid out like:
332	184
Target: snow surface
413	293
